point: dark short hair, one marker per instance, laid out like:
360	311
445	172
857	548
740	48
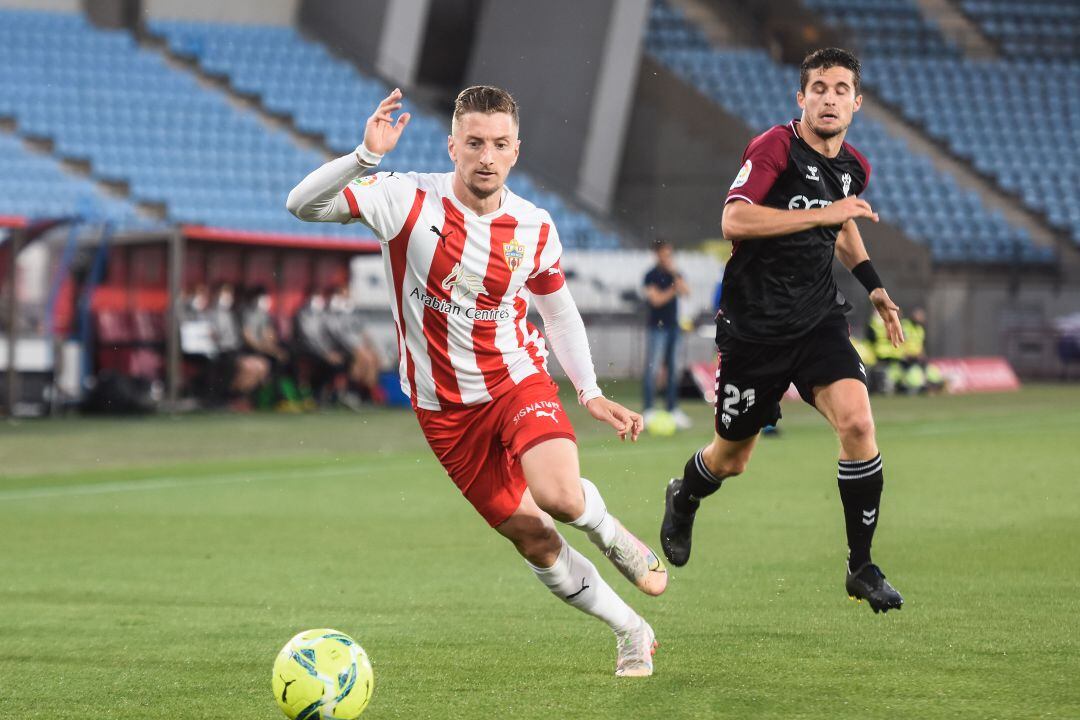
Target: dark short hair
659	244
826	58
485	99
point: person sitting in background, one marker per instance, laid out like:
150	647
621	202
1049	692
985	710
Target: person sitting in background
346	328
663	286
239	373
199	348
888	368
260	336
315	347
919	374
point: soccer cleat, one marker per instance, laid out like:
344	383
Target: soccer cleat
637	562
676	528
869	583
635	650
682	420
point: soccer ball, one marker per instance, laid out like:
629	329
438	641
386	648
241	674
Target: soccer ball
322	675
661	423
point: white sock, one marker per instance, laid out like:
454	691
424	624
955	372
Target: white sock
596	521
574	580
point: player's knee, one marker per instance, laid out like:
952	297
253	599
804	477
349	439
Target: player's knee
539	543
564	506
856	427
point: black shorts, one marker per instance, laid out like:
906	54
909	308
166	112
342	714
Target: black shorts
753	376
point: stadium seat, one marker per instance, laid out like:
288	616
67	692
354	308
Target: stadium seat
327	96
750	84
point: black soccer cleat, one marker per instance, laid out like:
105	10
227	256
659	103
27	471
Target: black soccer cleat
676	528
869	583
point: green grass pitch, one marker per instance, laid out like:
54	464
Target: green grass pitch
152	568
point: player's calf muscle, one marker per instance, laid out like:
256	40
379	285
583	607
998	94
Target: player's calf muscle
724	461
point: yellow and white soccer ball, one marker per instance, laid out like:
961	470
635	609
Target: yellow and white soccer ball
322	675
661	423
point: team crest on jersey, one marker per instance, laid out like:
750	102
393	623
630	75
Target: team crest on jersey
514	252
845	179
743	176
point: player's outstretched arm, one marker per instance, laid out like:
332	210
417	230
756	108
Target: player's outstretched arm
851	251
565	331
319	197
746	221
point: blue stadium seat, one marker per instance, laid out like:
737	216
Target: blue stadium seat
905	187
327	96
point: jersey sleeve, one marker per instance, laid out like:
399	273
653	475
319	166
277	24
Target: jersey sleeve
764	159
547	276
381	201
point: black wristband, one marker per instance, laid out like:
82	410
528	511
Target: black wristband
865	273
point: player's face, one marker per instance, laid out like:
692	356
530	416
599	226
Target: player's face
829	100
484	146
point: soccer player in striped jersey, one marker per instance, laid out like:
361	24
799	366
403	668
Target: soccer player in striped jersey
463	256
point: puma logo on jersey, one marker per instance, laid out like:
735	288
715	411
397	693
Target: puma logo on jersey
442	237
465	283
542	408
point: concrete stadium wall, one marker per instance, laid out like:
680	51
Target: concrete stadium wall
256	12
572	67
50	5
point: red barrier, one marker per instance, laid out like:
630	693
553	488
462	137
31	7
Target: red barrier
977	374
962	375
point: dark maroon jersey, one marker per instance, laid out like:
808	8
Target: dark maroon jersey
779	288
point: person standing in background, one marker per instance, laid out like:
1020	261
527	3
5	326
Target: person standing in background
663	286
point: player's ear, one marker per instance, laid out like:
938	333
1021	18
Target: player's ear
858	103
450	147
517	152
801	99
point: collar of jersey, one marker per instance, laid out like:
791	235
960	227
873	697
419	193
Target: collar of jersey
794	125
507	197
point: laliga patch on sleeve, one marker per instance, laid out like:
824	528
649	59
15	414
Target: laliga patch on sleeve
367	180
743	176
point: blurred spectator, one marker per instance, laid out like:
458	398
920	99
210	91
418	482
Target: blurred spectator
663	286
346	327
241	373
919	374
1067	329
318	354
887	370
260	336
210	344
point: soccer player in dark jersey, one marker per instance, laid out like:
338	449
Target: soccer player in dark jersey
792	207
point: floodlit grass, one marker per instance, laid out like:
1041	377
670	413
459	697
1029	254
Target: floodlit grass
152	568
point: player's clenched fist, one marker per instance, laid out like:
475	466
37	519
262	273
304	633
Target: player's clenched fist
381	132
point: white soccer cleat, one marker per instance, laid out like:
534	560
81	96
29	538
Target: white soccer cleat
682	420
637	562
635	650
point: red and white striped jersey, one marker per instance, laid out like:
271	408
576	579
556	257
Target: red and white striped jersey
459	284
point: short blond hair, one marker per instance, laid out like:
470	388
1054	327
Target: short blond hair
485	99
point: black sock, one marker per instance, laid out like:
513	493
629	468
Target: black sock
697	483
860	484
